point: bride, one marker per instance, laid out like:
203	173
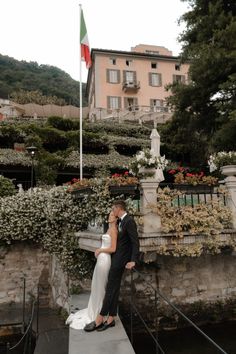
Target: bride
81	318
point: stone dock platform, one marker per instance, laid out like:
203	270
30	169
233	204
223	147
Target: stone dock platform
112	341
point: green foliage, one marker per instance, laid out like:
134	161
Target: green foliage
50	218
58	140
7	187
115	128
36	97
29	76
10	134
206	103
225	137
47	167
63	124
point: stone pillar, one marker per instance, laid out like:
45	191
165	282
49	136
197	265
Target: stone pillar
230	183
151	221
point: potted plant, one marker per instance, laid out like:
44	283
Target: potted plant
123	184
195	182
223	161
79	187
147	165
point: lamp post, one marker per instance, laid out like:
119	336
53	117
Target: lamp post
32	151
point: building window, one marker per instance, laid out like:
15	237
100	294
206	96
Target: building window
179	78
156	104
113	102
131	103
177	67
152	51
128	62
154	65
113	76
155	79
113	61
129	76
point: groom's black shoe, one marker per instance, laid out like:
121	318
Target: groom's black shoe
92	326
106	325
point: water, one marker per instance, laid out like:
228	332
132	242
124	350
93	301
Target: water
188	341
14	339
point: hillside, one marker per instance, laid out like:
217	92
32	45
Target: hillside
29	76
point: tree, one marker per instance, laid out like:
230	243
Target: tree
50	81
208	101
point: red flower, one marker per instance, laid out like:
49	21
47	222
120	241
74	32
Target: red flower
172	172
126	173
189	174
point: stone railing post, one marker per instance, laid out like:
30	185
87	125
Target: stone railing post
148	199
230	183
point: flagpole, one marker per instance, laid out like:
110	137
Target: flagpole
80	113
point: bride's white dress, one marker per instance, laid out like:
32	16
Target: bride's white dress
100	274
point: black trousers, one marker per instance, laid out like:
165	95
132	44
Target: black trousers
110	302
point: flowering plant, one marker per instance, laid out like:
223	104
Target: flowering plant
195	178
221	158
122	179
146	158
182	175
77	184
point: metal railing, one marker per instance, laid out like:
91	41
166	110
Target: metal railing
198	198
158	295
191	197
27	333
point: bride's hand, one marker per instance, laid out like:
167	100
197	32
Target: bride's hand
97	252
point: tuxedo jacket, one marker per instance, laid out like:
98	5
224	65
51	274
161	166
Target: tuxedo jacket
127	248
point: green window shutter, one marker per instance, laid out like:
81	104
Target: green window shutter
107	72
126	102
119	102
118	76
160	79
150	79
108	102
124	75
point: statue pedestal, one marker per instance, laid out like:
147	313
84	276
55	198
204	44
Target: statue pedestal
151	221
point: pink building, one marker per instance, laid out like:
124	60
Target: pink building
122	82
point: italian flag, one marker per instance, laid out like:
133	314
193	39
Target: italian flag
84	43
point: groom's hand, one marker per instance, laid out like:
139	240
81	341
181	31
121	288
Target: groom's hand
130	265
97	252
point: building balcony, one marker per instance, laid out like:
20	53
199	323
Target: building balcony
131	86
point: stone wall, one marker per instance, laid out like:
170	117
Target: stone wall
29	261
205	280
59	283
19	261
185	279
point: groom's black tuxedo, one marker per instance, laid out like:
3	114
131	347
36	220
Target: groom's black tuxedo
127	250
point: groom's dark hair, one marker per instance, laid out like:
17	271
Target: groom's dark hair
120	203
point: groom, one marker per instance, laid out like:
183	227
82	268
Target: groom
126	256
